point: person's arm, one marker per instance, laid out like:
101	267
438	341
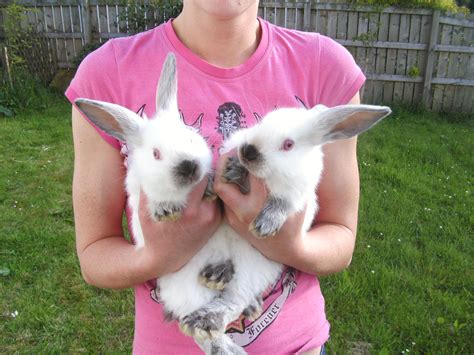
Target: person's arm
328	247
107	259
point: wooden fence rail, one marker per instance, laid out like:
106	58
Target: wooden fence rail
408	55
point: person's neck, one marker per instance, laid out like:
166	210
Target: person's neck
225	43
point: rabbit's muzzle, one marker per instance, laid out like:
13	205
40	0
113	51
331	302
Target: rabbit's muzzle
187	172
249	154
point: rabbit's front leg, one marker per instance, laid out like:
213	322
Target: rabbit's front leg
217	276
236	173
271	218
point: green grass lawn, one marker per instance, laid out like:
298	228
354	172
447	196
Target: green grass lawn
409	286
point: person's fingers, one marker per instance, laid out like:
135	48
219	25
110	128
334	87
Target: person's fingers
196	195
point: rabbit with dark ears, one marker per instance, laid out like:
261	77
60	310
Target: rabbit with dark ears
284	150
164	167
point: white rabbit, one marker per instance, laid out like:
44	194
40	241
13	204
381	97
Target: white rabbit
284	150
227	276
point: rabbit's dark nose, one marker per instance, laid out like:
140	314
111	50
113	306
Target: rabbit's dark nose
187	171
249	153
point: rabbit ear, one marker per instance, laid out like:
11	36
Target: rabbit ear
346	121
167	91
115	120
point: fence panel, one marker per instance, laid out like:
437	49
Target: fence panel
409	94
381	57
391	56
352	25
465	96
442	67
422	60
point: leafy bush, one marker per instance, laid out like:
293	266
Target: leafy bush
446	5
26	94
22	89
17	37
136	17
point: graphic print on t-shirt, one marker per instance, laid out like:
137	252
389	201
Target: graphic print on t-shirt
196	124
243	332
141	111
230	118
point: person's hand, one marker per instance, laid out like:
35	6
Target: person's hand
240	210
170	245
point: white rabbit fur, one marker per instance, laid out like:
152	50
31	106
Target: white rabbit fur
204	310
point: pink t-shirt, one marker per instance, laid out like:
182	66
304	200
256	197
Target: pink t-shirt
288	69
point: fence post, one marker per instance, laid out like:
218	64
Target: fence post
307	16
431	58
86	21
6	64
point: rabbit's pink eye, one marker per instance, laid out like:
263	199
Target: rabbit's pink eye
288	144
156	154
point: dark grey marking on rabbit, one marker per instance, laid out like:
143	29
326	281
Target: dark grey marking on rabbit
250	154
203	323
217	276
271	218
111	118
254	310
236	173
165	211
166	93
211	320
186	172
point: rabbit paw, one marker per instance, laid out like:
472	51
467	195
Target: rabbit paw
236	173
253	310
270	219
264	226
202	324
166	211
217	276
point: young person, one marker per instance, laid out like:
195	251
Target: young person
233	68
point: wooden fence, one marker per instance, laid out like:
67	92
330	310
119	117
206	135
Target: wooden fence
409	55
